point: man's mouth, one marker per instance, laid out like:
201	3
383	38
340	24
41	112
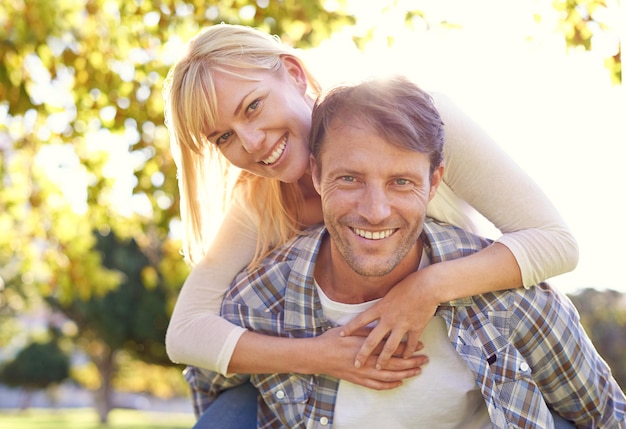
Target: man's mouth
373	235
276	153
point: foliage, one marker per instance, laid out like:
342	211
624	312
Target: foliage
36	366
131	318
583	21
603	314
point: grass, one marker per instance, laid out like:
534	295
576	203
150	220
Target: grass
86	418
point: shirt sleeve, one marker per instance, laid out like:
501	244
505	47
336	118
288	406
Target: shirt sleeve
481	179
573	378
205	386
197	335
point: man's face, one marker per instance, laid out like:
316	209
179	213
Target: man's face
374	198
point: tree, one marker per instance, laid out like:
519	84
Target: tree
36	367
132	317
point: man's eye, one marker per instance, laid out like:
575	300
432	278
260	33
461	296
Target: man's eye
347	178
223	138
402	182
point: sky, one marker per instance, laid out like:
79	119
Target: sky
555	112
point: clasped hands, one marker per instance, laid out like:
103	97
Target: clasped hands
385	354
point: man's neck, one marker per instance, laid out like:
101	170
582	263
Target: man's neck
342	284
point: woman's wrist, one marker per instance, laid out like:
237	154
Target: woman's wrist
432	281
491	269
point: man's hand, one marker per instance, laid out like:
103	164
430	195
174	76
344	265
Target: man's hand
404	311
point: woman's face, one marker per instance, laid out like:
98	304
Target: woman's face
264	121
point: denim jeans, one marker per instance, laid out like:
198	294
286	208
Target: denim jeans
234	409
560	422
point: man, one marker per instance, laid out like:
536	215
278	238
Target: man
502	360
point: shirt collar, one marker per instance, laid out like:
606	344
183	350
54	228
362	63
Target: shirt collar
303	310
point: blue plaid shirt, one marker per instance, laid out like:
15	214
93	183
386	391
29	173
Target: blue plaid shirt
526	348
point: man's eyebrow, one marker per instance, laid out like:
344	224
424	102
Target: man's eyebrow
237	110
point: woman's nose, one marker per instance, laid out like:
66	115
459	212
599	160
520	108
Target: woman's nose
251	139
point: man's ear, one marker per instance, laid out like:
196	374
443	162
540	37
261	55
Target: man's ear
295	69
437	177
315	174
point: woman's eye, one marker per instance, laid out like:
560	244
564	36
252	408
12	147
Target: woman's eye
254	105
223	138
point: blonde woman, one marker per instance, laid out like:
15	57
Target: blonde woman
241	98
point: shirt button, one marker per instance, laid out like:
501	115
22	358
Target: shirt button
524	367
280	394
324	421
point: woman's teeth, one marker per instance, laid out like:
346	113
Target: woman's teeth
376	235
276	154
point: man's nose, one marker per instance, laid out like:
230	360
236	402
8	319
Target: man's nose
251	139
375	205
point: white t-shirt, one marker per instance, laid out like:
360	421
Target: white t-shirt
444	395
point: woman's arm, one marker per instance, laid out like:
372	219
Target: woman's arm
479	173
328	353
198	336
479	177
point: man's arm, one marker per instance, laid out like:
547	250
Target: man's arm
574	380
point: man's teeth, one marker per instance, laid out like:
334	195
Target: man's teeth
376	235
276	154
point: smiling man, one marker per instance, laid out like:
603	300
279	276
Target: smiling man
516	358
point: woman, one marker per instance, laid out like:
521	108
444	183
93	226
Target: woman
240	97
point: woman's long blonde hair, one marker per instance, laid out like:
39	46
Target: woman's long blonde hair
206	179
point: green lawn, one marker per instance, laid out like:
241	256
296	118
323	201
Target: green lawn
85	418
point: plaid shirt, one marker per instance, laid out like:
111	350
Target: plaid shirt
526	348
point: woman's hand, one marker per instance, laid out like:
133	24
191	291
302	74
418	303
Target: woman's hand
336	357
404	311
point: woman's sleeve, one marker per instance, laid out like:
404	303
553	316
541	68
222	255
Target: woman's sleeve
197	335
478	172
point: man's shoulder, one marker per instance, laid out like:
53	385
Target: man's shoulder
447	241
304	245
532	305
273	272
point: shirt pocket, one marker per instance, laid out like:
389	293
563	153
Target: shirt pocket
515	388
287	395
288	389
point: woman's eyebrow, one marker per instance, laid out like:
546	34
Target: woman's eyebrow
240	105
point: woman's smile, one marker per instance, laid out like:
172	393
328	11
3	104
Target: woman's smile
276	152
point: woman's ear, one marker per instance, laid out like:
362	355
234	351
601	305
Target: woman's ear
295	70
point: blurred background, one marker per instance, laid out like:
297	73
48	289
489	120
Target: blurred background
90	262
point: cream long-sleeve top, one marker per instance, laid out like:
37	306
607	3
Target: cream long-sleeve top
479	178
